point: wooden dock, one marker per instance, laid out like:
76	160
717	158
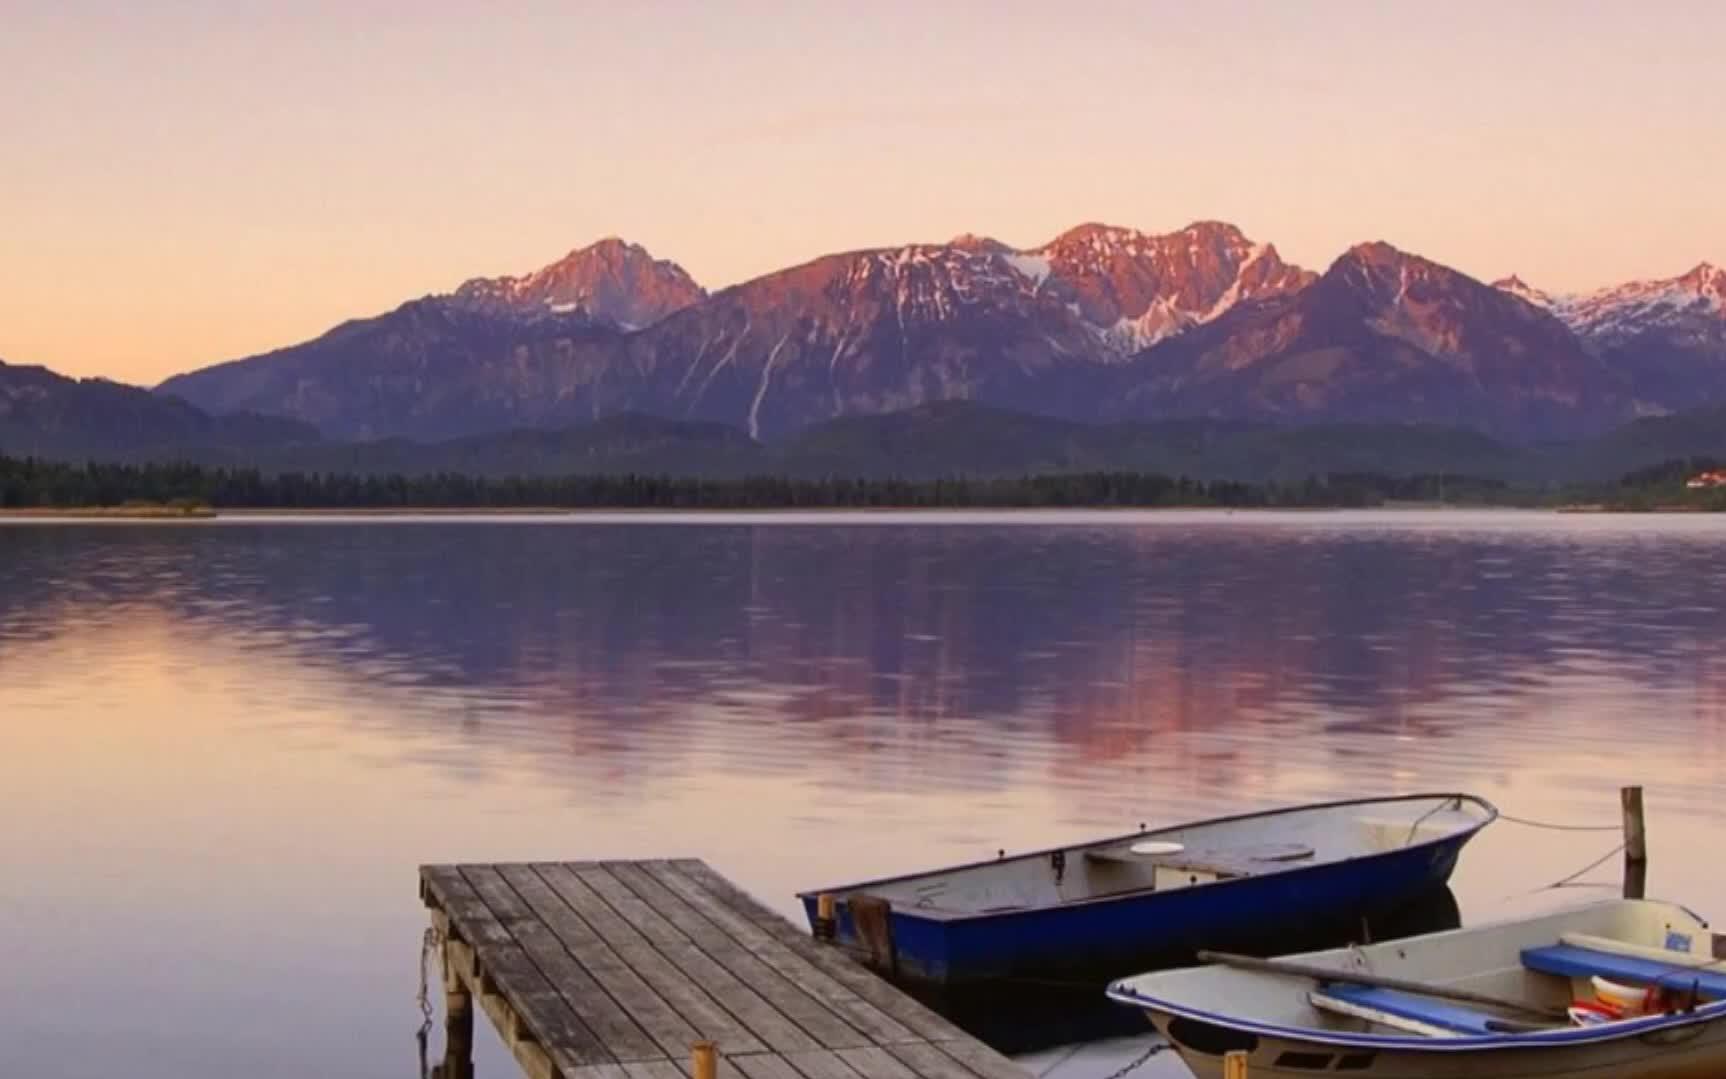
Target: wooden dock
617	970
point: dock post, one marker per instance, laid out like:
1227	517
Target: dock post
872	922
826	923
1635	844
705	1058
457	1024
1235	1065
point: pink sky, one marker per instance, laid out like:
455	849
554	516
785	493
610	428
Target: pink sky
188	182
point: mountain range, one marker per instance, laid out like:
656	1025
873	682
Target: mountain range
1100	324
1200	333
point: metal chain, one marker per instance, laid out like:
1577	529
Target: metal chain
1160	1047
430	942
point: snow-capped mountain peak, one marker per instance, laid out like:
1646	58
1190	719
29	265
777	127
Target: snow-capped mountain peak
1521	289
1708	282
611	281
1137	288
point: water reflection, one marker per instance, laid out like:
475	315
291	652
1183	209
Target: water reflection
228	745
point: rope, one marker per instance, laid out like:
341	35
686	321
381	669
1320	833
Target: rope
1525	822
1414	828
1596	864
1570	881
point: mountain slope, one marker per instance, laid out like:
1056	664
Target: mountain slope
1383	337
430	369
1696	433
943	439
496	353
1667	338
45	414
48	414
624	443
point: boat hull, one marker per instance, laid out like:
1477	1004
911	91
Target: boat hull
1695	1051
1095	941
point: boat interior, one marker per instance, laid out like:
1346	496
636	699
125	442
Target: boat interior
1183	857
1666	957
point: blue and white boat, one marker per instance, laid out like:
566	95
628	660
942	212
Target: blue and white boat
1626	989
1155	898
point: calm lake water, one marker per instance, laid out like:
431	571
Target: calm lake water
225	747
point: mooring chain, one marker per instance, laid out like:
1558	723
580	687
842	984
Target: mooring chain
1134	1065
430	942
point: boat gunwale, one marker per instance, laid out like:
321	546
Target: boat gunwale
936	914
1582	1035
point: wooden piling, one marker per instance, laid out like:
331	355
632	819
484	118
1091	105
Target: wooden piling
872	921
826	917
1635	844
1235	1065
457	1035
458	1014
705	1060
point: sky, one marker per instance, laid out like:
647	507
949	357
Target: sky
183	182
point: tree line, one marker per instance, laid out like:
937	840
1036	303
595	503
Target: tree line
27	482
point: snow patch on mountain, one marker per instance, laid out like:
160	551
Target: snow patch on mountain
1522	290
1609	316
1033	267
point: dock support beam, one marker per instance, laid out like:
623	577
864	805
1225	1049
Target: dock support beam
1635	844
1235	1065
457	1023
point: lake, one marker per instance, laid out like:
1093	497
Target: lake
226	746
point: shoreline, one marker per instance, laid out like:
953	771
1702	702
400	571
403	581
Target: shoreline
167	514
111	513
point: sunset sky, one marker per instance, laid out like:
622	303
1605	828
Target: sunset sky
188	182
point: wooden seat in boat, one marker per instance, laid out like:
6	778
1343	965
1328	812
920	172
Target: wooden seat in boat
1680	973
1402	1011
1239	861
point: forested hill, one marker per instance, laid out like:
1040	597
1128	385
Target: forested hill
31	483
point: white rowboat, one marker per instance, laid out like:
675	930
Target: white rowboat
1480	1003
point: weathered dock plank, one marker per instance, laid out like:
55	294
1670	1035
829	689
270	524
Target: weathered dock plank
766	1026
613	970
700	911
682	873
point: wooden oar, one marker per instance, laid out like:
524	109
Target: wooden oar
1376	981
